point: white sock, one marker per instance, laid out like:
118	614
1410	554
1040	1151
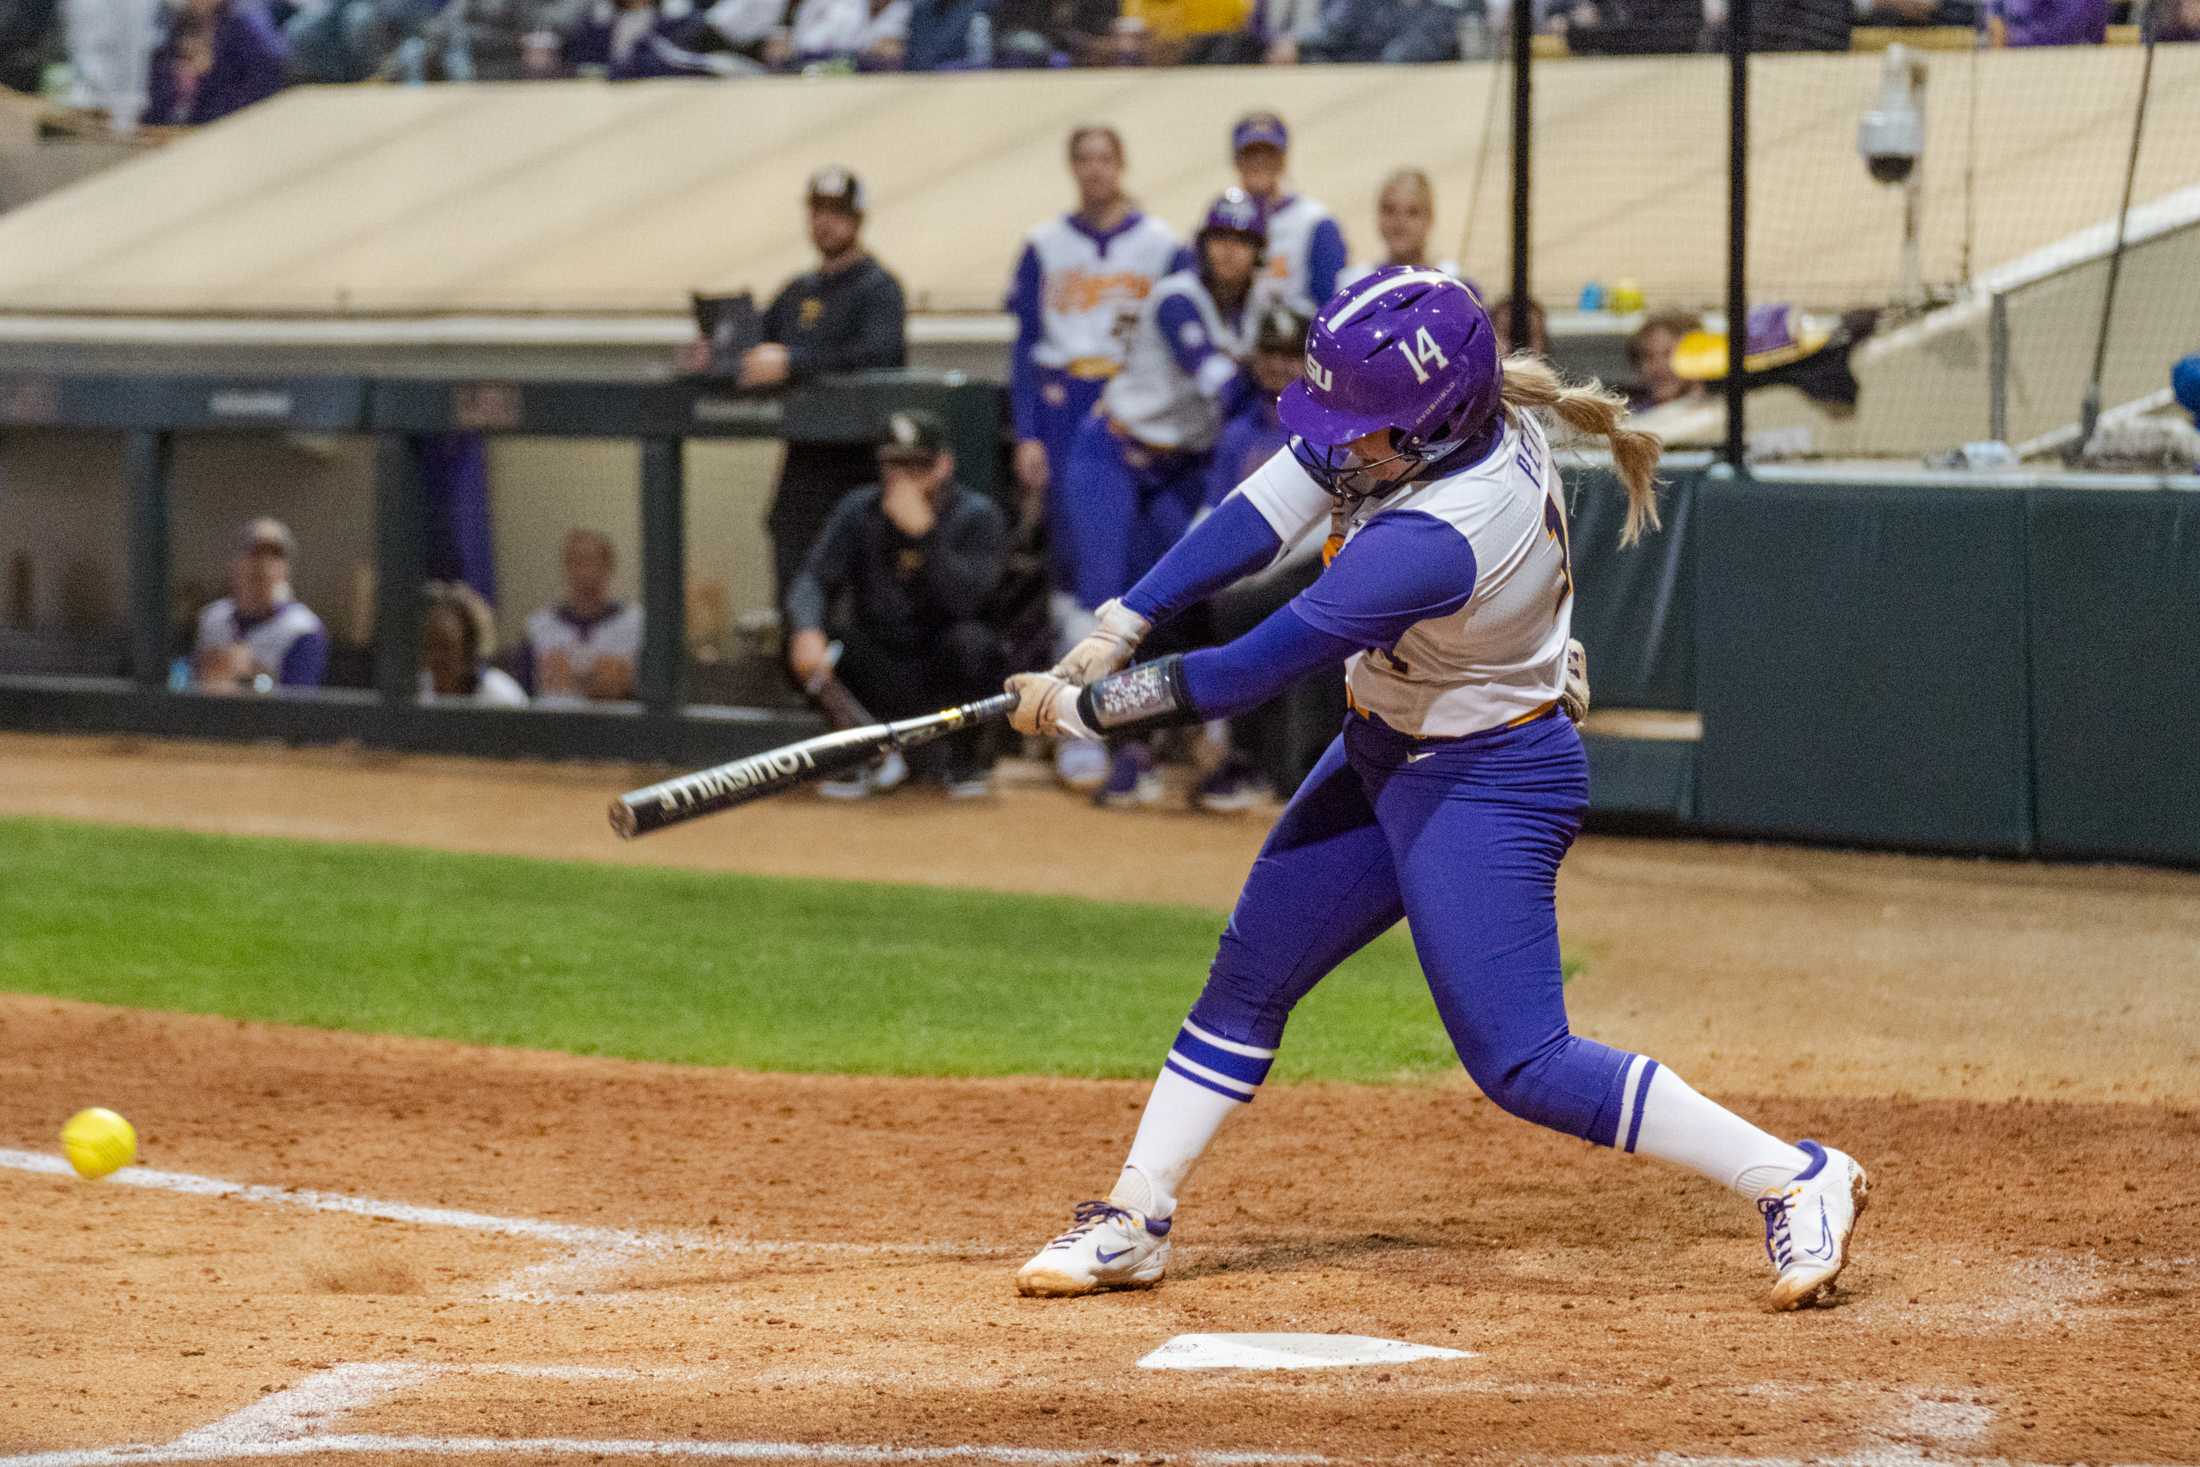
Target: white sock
1680	1126
1181	1118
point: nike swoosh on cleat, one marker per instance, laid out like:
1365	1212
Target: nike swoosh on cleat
1109	1257
1824	1247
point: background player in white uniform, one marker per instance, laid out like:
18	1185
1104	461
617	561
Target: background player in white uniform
1405	216
1452	794
1306	248
260	637
1077	288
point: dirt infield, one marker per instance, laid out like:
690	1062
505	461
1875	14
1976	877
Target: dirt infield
542	1257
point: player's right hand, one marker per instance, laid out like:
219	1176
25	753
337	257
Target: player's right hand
1107	648
1045	705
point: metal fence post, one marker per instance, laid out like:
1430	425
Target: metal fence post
400	565
1737	228
148	455
1523	52
1997	368
664	575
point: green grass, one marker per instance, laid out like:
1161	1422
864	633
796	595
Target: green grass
758	972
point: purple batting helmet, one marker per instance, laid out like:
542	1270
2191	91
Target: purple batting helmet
1406	349
1235	211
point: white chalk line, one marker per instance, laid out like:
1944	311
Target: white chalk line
592	1251
291	1423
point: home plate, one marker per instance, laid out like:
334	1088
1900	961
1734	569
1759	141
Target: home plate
1289	1352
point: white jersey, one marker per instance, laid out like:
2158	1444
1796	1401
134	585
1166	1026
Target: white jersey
1182	353
1291	226
1502	656
617	633
1089	286
275	640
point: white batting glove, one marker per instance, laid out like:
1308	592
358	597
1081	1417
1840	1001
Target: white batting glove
1107	648
1573	695
1047	705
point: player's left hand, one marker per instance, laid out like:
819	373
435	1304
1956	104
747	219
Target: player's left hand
1117	631
1047	705
1573	695
764	365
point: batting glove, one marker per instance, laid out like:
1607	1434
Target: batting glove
1573	694
1107	647
1046	704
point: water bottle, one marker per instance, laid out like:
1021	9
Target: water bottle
981	40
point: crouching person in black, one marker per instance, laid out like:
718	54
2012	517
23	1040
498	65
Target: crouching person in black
899	577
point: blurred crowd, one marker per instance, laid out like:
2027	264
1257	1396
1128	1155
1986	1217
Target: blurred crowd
180	62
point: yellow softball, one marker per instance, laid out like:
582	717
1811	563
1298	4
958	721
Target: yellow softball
97	1141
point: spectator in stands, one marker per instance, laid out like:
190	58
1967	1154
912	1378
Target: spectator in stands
915	559
742	30
1636	27
588	645
634	40
505	40
1791	25
110	55
2174	20
1376	30
1270	33
1650	354
845	316
2184	383
1306	249
1962	13
26	38
866	34
1405	213
1539	328
948	35
1052	32
456	636
217	57
259	637
2046	22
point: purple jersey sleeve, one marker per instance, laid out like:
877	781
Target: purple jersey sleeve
1226	681
1178	321
1405	567
1325	260
1234	541
305	663
1023	373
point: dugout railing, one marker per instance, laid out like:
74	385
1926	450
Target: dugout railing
1998	664
659	725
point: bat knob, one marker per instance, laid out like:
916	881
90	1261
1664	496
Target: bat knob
623	821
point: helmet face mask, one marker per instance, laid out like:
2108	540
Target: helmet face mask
1404	349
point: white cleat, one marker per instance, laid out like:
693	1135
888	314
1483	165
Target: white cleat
1808	1223
1107	1247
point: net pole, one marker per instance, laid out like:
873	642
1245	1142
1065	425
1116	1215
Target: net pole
1523	36
1737	225
2089	416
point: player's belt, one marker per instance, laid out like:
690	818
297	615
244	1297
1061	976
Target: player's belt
1540	711
1127	436
1093	369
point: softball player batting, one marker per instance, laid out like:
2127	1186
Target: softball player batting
1454	790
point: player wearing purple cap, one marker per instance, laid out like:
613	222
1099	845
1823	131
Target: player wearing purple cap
2184	384
1306	249
1452	794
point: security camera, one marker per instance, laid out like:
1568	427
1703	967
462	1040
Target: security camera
1892	135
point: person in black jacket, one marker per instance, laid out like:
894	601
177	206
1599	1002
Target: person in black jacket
847	315
909	565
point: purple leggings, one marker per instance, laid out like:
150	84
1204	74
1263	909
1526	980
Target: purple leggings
1463	840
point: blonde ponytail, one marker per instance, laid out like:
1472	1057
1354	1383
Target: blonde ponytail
1533	384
